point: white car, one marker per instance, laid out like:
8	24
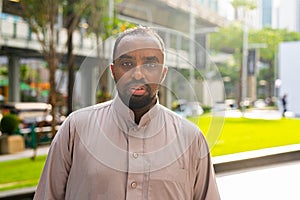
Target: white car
189	109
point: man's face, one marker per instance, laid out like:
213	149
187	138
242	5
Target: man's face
138	70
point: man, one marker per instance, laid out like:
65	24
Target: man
131	147
284	104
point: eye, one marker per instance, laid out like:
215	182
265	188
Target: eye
127	64
151	65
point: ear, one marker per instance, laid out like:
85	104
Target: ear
112	72
163	76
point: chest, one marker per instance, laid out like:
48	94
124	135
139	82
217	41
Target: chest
111	172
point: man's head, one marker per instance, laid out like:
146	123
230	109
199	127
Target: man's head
138	66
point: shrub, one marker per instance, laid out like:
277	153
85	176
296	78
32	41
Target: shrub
206	109
9	124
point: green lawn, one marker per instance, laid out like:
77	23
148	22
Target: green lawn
241	134
224	136
20	173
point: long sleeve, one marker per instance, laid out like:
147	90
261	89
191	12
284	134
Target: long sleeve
205	187
53	181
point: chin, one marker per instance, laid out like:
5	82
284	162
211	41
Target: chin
138	102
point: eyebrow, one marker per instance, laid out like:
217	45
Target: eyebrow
125	56
151	58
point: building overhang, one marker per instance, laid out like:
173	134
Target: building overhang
172	14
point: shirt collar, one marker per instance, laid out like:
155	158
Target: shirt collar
124	117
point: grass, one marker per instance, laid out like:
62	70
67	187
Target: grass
241	134
224	137
20	173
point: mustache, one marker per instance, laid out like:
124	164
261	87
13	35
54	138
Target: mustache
137	83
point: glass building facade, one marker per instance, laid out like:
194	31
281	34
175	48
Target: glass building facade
267	13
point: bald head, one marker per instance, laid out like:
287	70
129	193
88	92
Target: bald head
151	40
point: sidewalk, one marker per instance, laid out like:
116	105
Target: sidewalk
273	182
41	150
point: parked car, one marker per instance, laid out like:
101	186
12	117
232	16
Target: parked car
260	104
188	109
30	112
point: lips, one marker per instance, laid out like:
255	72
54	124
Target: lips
138	90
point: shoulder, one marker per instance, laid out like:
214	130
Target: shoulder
83	112
179	121
187	132
84	115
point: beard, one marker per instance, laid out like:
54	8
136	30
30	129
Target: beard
138	102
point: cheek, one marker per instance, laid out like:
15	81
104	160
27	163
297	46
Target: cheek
120	76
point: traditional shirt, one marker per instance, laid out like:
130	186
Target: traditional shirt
101	153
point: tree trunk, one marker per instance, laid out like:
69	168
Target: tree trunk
70	57
53	63
271	79
240	85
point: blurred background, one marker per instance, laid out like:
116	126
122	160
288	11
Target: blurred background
233	70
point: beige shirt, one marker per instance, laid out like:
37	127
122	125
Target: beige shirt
100	153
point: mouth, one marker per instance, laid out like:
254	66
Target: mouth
138	90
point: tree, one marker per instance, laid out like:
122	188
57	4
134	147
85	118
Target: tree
73	9
272	38
103	22
41	16
229	40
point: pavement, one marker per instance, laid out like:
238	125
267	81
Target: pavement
266	174
251	114
28	153
274	182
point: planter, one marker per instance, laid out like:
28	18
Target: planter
11	144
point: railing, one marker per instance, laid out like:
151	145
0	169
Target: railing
35	136
17	33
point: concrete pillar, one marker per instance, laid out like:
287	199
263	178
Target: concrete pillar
251	87
89	79
168	81
202	52
14	78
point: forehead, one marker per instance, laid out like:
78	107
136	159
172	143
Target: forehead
137	43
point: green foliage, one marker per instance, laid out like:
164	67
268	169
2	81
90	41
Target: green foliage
206	109
271	37
230	71
248	4
39	13
24	73
100	23
3	71
9	124
228	39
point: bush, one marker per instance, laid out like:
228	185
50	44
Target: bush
9	124
206	109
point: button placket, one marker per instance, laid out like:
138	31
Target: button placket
135	164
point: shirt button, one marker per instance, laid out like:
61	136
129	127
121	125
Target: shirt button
135	155
133	185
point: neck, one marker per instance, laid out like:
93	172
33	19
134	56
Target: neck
139	113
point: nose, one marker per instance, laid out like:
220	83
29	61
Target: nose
138	73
